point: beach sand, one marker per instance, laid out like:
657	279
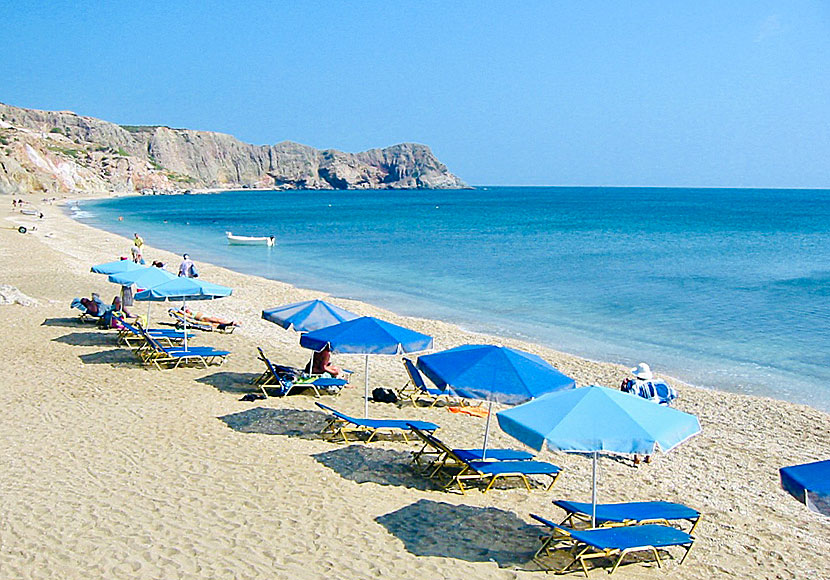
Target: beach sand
113	470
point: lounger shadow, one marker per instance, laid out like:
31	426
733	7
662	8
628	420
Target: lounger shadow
300	423
371	464
463	532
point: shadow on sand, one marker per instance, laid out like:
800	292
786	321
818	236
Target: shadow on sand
473	534
92	338
290	422
73	322
118	356
366	464
231	382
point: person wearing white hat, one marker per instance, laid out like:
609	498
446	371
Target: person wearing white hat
643	385
643	372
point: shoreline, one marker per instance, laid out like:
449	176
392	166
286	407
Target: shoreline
170	491
586	347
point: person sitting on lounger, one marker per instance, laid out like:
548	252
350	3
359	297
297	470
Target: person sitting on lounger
94	306
201	317
320	364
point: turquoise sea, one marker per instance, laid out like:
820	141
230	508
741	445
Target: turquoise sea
725	288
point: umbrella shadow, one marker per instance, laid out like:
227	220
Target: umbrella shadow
364	464
115	356
231	382
289	422
73	322
93	338
472	534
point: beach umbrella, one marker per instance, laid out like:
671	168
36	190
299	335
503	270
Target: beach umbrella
308	315
598	420
493	373
116	267
143	277
184	289
368	336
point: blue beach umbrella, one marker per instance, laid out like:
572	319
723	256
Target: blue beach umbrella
598	420
493	373
366	335
184	289
116	267
307	316
143	277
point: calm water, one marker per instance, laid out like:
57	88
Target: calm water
722	288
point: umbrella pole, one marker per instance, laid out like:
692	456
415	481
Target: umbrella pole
366	388
487	431
594	494
184	316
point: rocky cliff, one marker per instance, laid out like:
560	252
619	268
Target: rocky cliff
60	152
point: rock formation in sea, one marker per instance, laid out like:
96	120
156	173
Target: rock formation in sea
60	152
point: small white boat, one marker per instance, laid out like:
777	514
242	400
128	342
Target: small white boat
250	240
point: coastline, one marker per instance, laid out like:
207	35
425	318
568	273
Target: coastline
729	472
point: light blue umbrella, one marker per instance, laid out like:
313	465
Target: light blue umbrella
308	316
184	289
366	335
115	267
598	420
181	288
493	373
143	277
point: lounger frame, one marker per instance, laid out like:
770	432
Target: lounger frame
455	470
342	425
581	550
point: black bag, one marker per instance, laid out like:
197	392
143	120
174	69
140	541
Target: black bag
381	395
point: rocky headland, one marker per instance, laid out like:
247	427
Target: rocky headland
60	152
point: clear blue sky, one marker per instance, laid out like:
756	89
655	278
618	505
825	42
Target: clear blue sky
703	93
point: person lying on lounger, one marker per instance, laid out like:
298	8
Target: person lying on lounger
201	317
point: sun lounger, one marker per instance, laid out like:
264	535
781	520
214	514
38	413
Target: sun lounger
611	543
416	387
434	453
637	512
181	318
341	424
159	355
131	334
284	379
467	465
273	372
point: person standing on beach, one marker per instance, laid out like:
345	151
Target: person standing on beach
187	268
138	242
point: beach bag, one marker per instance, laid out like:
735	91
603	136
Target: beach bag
381	395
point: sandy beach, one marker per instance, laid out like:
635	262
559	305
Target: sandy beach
114	470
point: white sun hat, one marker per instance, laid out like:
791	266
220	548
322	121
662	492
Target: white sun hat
642	371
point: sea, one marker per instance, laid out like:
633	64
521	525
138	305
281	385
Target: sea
722	288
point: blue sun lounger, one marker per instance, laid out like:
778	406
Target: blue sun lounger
160	355
416	387
617	541
637	512
438	452
341	424
460	465
132	333
285	379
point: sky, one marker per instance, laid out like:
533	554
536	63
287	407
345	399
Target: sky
654	93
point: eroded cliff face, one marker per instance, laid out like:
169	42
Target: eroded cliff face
61	152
